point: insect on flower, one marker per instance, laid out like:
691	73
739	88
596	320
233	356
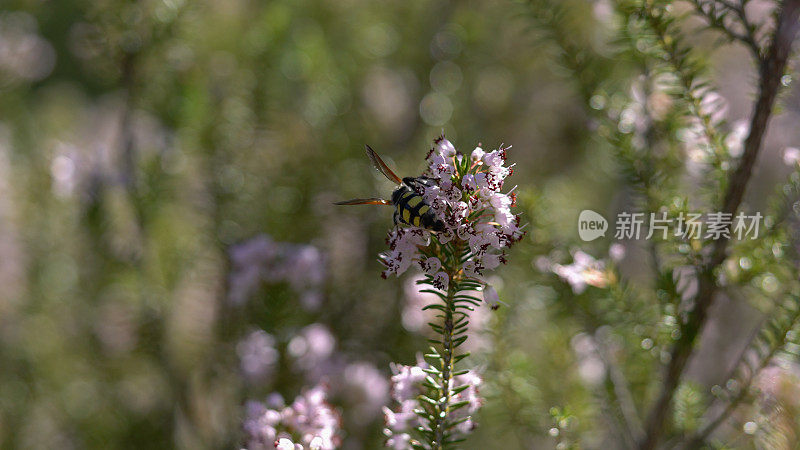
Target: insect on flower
410	207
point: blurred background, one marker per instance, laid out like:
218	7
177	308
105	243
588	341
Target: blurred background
168	243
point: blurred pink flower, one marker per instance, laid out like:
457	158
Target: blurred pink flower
780	382
584	271
313	351
407	385
309	422
616	252
791	156
366	389
262	260
25	56
257	356
591	367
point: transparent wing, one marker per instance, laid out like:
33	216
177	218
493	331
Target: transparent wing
381	166
365	201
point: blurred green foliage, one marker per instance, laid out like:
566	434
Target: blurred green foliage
158	133
140	140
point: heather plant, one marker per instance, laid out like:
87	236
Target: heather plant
173	267
466	192
309	354
309	422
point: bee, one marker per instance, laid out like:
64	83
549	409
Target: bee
409	206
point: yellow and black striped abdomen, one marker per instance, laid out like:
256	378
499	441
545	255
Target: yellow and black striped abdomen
412	210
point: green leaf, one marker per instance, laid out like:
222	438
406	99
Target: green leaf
459	405
427	399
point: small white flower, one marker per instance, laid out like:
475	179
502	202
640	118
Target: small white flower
485	235
284	444
491	261
468	182
441	281
465	231
445	148
460	211
446	185
476	203
431	265
418	237
499	173
441	167
482	181
500	201
471	269
494	159
431	193
438	204
453	195
490	297
477	154
506	219
316	443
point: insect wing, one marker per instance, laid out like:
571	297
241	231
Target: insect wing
365	201
381	166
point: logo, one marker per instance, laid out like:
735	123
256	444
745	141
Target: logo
591	225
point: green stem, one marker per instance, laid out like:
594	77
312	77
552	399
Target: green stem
448	350
447	374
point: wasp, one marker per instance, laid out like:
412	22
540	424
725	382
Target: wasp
409	206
